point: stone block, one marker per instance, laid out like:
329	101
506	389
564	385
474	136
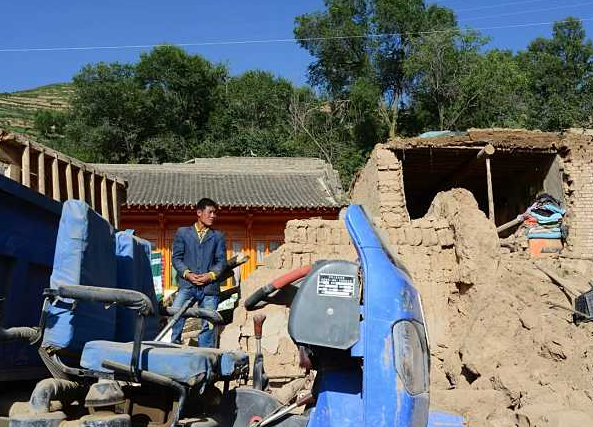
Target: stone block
439	224
389	176
314	257
385	157
426	222
413	236
351	253
394	197
344	237
429	237
324	251
399	235
335	235
445	237
311	235
291	234
324	235
302	235
306	259
229	338
394	219
274	259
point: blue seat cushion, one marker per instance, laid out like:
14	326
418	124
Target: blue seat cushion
134	272
180	363
85	255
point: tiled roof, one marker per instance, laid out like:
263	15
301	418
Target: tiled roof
233	182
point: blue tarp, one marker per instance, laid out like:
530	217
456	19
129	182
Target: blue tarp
440	134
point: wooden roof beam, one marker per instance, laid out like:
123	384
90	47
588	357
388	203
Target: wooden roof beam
459	174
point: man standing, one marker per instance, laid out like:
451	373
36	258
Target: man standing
199	256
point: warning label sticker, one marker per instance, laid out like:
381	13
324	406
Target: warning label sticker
335	285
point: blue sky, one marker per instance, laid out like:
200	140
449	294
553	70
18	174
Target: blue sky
70	23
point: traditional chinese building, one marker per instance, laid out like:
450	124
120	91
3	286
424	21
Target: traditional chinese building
257	196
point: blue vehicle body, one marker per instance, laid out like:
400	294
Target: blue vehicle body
375	395
29	226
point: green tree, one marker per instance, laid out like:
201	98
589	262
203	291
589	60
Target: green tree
366	44
456	86
331	130
503	88
560	72
50	123
260	114
252	117
119	110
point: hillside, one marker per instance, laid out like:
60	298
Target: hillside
17	109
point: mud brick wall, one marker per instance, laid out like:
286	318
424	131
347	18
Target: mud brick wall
380	188
425	246
576	163
307	241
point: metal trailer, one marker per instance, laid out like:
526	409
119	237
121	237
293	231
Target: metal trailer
28	229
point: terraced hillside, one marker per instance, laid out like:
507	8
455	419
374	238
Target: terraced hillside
17	109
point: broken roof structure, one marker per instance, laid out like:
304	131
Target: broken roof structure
505	169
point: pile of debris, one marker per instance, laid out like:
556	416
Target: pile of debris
513	357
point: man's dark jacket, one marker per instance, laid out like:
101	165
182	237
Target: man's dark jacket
199	257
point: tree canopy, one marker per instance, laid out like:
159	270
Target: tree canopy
560	78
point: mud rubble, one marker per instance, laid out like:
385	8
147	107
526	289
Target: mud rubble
500	354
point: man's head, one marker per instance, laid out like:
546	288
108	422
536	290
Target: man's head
206	211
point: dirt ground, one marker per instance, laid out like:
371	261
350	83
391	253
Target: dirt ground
512	359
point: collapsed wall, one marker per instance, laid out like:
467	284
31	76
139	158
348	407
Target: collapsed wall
500	354
576	159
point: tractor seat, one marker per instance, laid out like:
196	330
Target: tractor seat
187	365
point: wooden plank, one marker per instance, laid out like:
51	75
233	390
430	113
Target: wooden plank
104	199
69	182
490	191
114	204
11	151
26	166
13	172
55	179
41	172
81	185
92	190
509	224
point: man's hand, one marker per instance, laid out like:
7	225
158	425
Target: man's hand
199	279
204	278
194	278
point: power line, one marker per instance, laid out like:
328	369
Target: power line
528	11
269	41
493	6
